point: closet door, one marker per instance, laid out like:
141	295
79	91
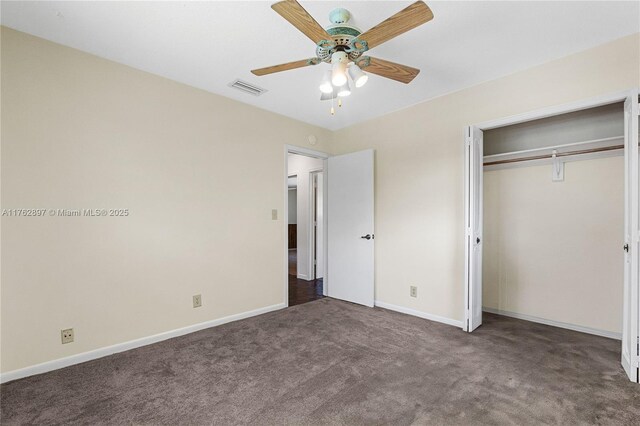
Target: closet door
473	231
630	324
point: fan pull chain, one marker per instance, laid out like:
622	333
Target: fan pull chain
339	102
333	111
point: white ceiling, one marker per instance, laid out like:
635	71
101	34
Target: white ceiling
209	44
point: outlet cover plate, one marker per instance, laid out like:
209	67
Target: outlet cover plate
66	335
413	291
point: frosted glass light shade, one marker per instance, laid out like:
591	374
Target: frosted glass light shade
339	61
357	75
325	85
344	90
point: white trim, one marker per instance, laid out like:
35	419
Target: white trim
312	223
325	227
132	344
311	241
419	314
555	110
304	151
531	318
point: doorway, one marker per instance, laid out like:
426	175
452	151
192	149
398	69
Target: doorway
334	253
593	232
305	239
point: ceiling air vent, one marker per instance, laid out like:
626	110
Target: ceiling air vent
247	87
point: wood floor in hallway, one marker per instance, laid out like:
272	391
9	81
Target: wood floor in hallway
301	291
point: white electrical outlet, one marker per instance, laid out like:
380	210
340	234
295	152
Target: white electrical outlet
413	291
66	335
197	301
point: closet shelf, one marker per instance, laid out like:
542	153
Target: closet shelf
571	152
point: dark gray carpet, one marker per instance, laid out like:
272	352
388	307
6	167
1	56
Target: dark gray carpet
331	362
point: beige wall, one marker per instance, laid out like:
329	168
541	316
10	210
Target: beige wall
82	132
199	174
553	249
419	167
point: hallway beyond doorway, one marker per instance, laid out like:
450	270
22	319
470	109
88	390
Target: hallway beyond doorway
301	291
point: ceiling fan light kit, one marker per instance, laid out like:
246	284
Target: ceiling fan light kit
339	62
357	75
325	85
344	90
342	45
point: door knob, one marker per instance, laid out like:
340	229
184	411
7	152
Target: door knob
367	237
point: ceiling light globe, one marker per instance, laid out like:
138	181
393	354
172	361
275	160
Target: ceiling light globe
339	79
326	88
361	81
344	90
325	85
339	61
357	75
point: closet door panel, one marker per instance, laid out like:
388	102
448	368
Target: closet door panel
473	234
631	319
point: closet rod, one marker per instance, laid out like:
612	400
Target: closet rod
560	154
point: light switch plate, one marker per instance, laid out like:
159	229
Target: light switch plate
197	300
274	214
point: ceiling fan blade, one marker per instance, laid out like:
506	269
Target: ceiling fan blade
300	18
282	67
397	72
407	19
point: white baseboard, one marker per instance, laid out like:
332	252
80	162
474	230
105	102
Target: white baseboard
419	314
132	344
582	329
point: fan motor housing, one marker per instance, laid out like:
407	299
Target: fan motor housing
343	36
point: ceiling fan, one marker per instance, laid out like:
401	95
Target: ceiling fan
343	46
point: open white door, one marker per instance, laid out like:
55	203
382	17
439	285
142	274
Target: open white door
350	227
473	229
630	322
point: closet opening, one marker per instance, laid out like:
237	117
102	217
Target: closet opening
552	220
